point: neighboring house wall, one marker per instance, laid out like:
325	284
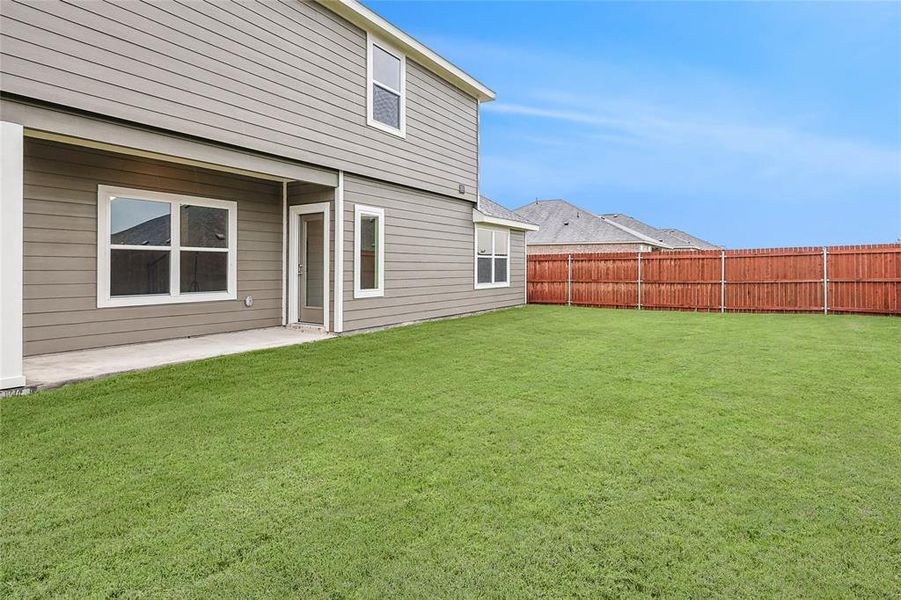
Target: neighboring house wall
585	248
429	258
60	251
285	78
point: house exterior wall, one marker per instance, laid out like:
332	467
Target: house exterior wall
586	248
429	258
60	250
284	78
254	91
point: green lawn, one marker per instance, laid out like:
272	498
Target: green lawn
543	451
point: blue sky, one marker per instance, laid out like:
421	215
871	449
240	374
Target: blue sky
749	124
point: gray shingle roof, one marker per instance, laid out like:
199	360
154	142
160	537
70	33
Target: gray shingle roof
643	228
696	242
153	232
563	223
490	208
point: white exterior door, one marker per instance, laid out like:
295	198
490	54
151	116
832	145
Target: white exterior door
308	264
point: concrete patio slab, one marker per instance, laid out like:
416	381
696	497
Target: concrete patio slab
53	370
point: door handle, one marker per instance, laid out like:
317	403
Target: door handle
300	269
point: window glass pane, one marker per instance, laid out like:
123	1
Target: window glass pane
313	256
139	222
484	241
369	242
483	270
500	270
134	272
385	68
500	242
204	227
204	271
385	106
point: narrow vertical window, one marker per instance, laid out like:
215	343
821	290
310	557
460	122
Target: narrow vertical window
492	257
386	88
369	252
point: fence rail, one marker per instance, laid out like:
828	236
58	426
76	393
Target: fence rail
848	279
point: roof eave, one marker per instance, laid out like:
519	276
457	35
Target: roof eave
369	21
480	217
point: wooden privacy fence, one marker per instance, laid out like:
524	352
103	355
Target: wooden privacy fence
848	279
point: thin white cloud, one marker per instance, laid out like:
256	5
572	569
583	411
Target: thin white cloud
677	139
785	146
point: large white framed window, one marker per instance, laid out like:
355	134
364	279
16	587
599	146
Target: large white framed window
492	257
159	248
386	87
369	252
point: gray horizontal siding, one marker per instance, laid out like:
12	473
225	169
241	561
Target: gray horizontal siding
60	251
429	262
282	77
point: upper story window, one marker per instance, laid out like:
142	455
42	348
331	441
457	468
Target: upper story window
492	257
386	74
156	248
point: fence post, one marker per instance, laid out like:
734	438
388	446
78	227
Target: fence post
639	280
825	283
723	281
569	280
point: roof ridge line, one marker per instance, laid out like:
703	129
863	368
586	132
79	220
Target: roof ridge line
637	234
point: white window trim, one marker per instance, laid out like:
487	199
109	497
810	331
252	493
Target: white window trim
359	211
476	255
370	41
106	193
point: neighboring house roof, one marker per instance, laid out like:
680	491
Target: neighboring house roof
696	242
641	228
489	211
201	227
564	223
368	20
153	232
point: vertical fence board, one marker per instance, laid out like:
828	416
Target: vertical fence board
609	280
861	279
681	281
547	279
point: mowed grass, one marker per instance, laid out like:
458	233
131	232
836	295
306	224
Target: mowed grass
544	451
